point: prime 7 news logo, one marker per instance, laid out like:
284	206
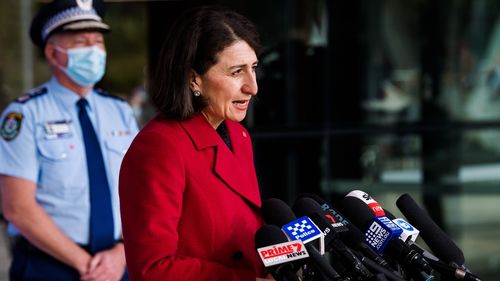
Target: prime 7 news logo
281	253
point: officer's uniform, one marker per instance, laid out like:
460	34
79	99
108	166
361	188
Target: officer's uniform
42	141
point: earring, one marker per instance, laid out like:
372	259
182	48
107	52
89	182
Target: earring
196	93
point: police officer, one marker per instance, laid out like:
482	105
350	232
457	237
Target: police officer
61	148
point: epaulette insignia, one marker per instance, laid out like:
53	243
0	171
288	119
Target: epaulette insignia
103	93
33	94
11	125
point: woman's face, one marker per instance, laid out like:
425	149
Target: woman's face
229	84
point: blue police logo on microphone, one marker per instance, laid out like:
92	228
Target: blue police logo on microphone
302	229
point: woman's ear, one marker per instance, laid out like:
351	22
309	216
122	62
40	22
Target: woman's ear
194	81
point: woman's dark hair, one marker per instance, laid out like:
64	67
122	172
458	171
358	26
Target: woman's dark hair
192	43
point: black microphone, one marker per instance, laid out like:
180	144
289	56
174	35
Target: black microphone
382	234
308	207
354	238
443	268
270	235
435	262
275	211
441	245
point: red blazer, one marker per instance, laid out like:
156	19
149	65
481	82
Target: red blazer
190	207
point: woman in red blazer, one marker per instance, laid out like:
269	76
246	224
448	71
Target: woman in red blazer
190	202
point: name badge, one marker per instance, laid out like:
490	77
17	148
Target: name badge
58	129
120	133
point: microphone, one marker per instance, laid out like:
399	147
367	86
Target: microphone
410	234
381	233
457	273
277	212
354	238
309	207
278	254
441	245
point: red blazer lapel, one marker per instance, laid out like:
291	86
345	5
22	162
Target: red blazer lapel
232	168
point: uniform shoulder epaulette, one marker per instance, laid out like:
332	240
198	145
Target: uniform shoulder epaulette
31	95
103	93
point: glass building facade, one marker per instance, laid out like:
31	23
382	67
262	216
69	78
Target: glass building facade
384	96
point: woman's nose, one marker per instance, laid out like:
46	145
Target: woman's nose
250	86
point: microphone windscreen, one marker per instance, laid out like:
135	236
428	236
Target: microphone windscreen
355	235
439	242
305	206
389	215
268	235
356	211
275	211
313	196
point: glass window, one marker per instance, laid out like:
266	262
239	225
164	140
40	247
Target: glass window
386	96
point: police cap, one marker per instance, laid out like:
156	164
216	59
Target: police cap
67	15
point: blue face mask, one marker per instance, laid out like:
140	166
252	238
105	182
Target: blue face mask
86	65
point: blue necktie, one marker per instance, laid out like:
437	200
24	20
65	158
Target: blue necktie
101	214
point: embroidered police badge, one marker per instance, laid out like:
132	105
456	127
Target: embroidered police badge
11	125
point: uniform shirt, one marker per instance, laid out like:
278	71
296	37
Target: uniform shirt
42	142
